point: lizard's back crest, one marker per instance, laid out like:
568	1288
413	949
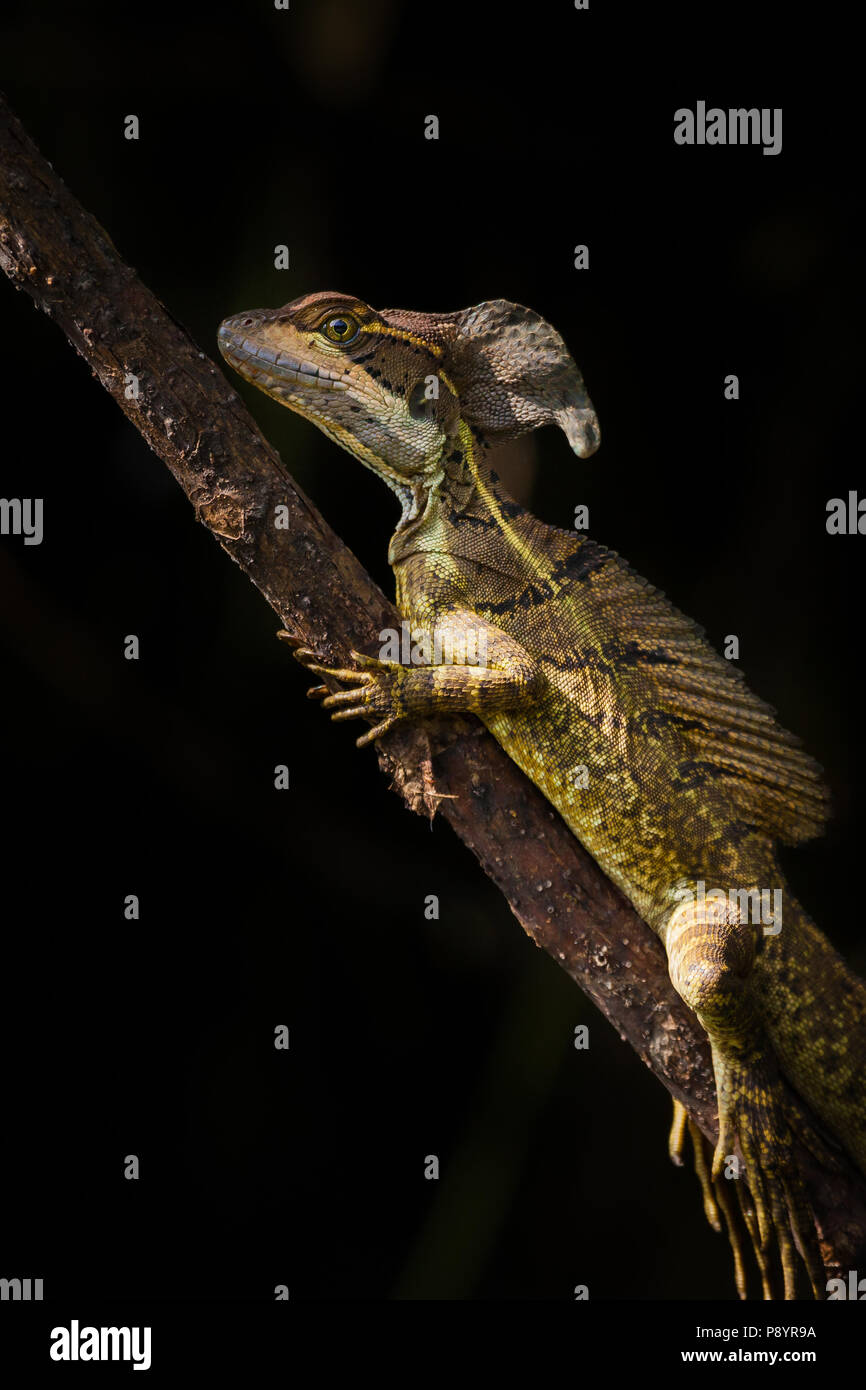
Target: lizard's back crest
771	781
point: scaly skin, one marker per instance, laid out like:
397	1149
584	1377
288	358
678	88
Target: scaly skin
672	774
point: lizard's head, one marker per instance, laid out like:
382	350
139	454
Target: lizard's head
392	387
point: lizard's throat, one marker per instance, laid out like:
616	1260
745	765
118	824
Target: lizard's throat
433	502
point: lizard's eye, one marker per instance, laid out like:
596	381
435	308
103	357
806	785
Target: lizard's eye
340	329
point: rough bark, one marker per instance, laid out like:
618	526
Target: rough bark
196	423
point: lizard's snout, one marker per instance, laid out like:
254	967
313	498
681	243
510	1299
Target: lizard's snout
254	343
234	330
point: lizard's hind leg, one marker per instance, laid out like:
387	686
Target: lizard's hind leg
710	951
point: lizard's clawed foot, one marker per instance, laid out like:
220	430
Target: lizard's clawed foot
757	1114
373	692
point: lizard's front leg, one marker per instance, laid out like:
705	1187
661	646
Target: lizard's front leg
464	665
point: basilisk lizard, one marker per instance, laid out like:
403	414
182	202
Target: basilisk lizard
675	777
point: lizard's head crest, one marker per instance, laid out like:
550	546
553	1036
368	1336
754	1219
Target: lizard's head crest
514	373
392	386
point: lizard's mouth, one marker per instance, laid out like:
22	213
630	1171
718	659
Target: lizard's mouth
296	382
270	368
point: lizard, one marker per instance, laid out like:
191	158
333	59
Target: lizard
677	779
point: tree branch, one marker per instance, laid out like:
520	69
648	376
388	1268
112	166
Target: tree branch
196	423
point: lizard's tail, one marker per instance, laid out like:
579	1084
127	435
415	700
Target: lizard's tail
813	1009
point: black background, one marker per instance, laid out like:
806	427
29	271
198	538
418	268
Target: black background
408	1037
